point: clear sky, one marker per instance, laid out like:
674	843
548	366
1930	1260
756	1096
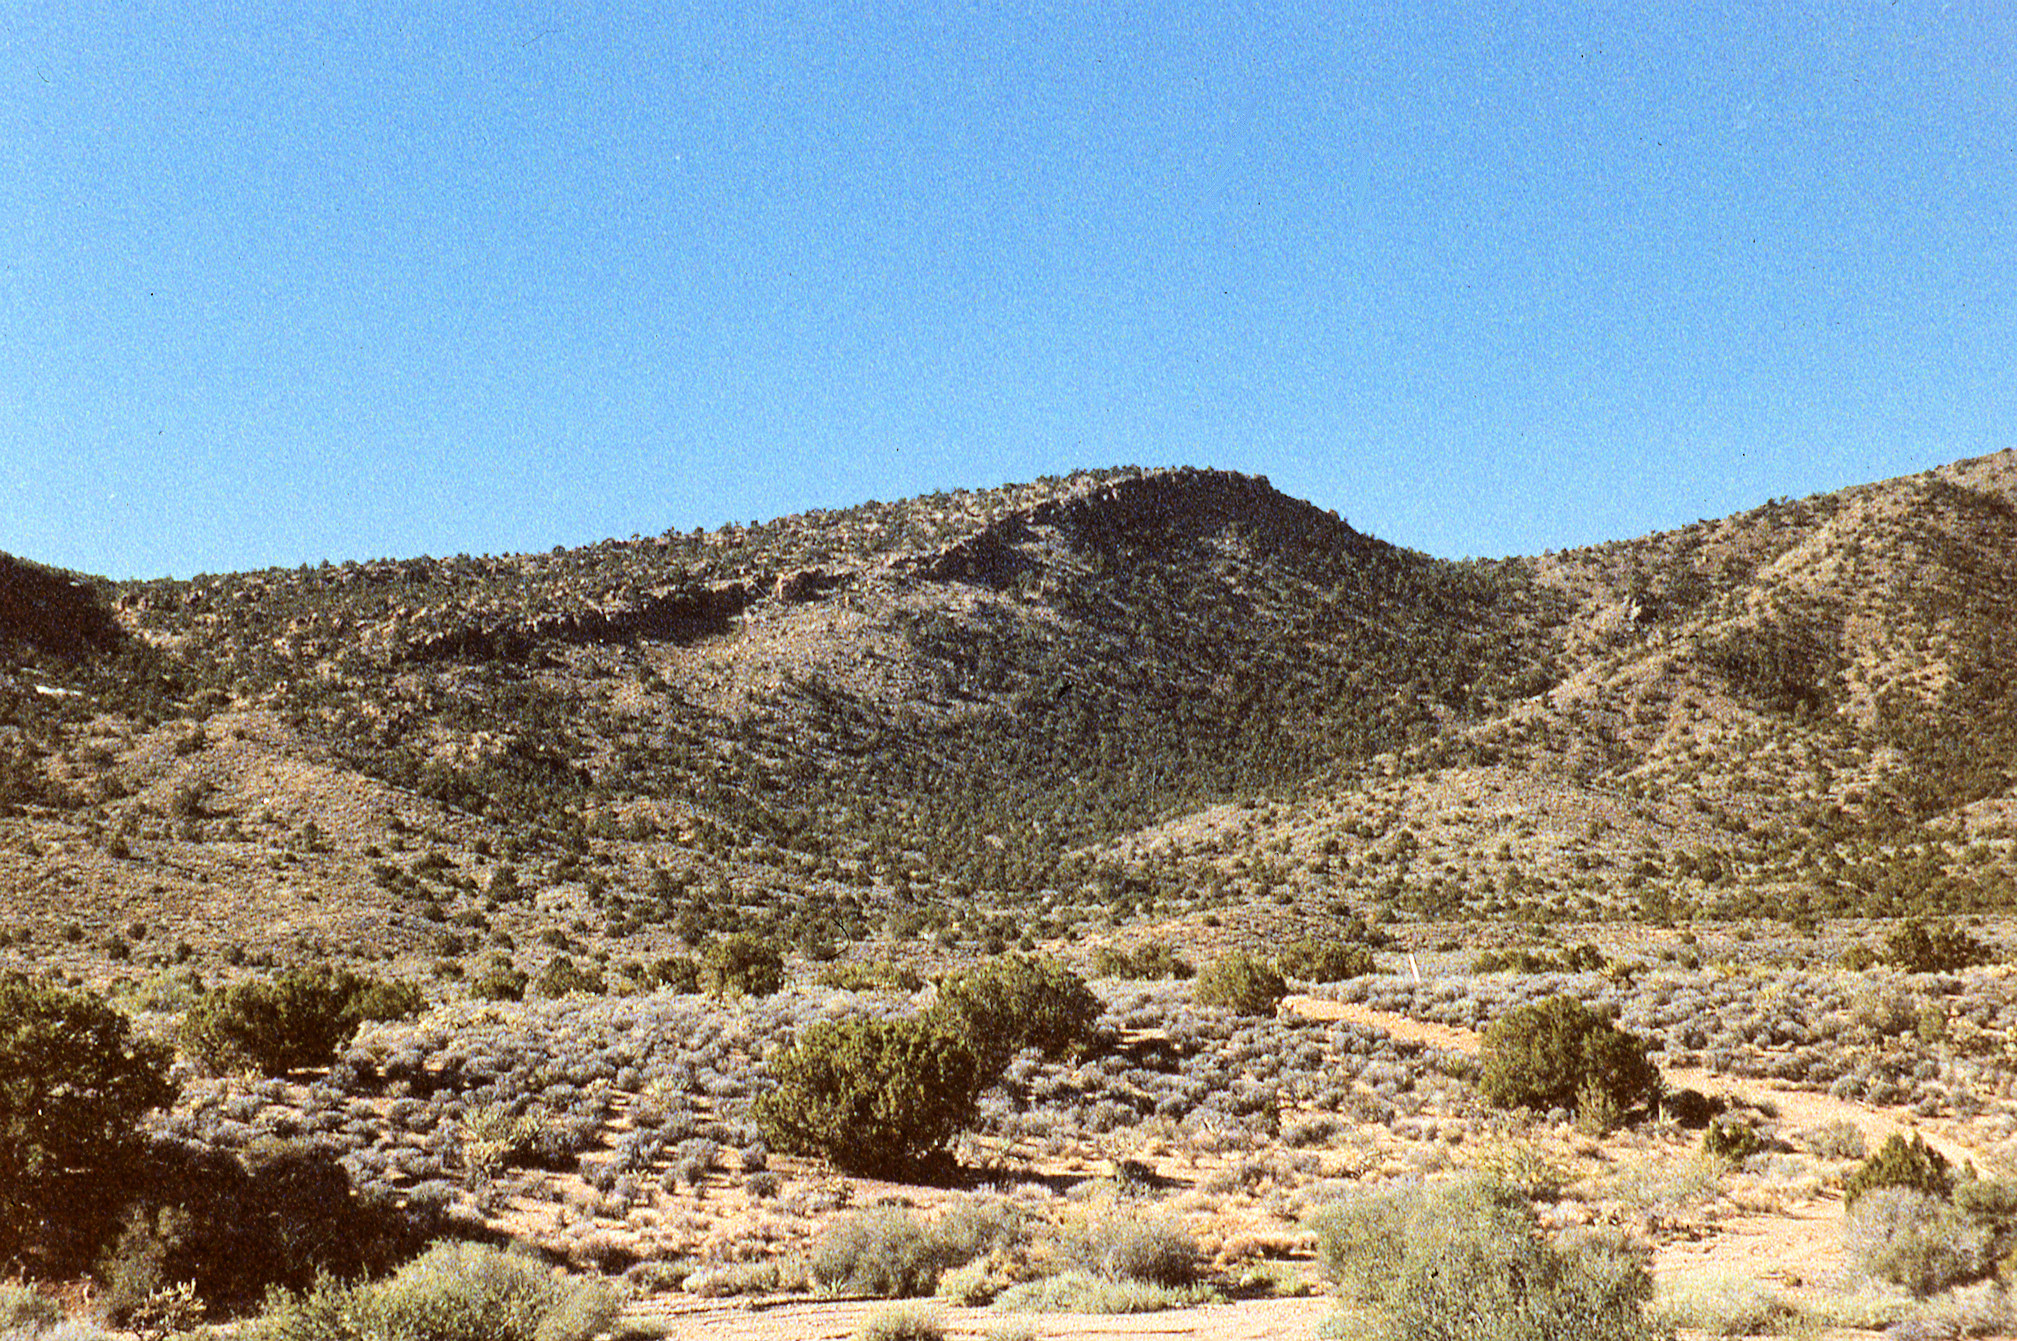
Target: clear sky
283	284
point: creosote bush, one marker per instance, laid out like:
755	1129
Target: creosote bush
1468	1262
299	1019
1241	982
888	1251
1561	1054
453	1292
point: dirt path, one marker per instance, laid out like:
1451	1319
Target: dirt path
1796	1107
809	1320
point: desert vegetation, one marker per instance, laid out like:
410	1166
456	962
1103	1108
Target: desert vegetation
1132	891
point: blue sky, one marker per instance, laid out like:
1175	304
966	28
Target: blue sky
369	280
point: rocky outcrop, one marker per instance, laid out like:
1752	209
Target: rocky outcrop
680	616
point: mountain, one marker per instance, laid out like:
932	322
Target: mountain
1126	699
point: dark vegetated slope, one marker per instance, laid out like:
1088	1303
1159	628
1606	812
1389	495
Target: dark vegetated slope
1838	670
1172	640
62	656
972	683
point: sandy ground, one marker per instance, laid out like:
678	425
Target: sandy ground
1796	1248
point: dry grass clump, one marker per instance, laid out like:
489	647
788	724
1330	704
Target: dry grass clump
1725	1305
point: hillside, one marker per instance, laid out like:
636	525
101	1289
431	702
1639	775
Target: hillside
1125	699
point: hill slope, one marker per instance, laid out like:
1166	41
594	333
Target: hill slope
1001	715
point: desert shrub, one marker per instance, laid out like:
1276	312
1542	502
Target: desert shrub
23	1312
1837	1140
880	976
562	976
299	1019
1916	1240
1325	961
1121	1245
380	999
1467	1262
499	982
279	1214
1240	982
1981	1309
74	1082
873	1096
885	1251
1576	959
453	1292
1149	960
494	1136
1913	1165
676	973
1726	1306
1089	1292
1559	1052
1690	1107
1014	1002
1361	1238
1918	948
742	964
905	1322
1730	1138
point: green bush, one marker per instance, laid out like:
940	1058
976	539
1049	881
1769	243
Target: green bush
1561	1054
1014	1002
743	964
1241	982
74	1082
453	1292
1089	1292
873	1096
676	973
1728	1137
1917	948
1900	1163
1325	961
1361	1238
1468	1262
299	1019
